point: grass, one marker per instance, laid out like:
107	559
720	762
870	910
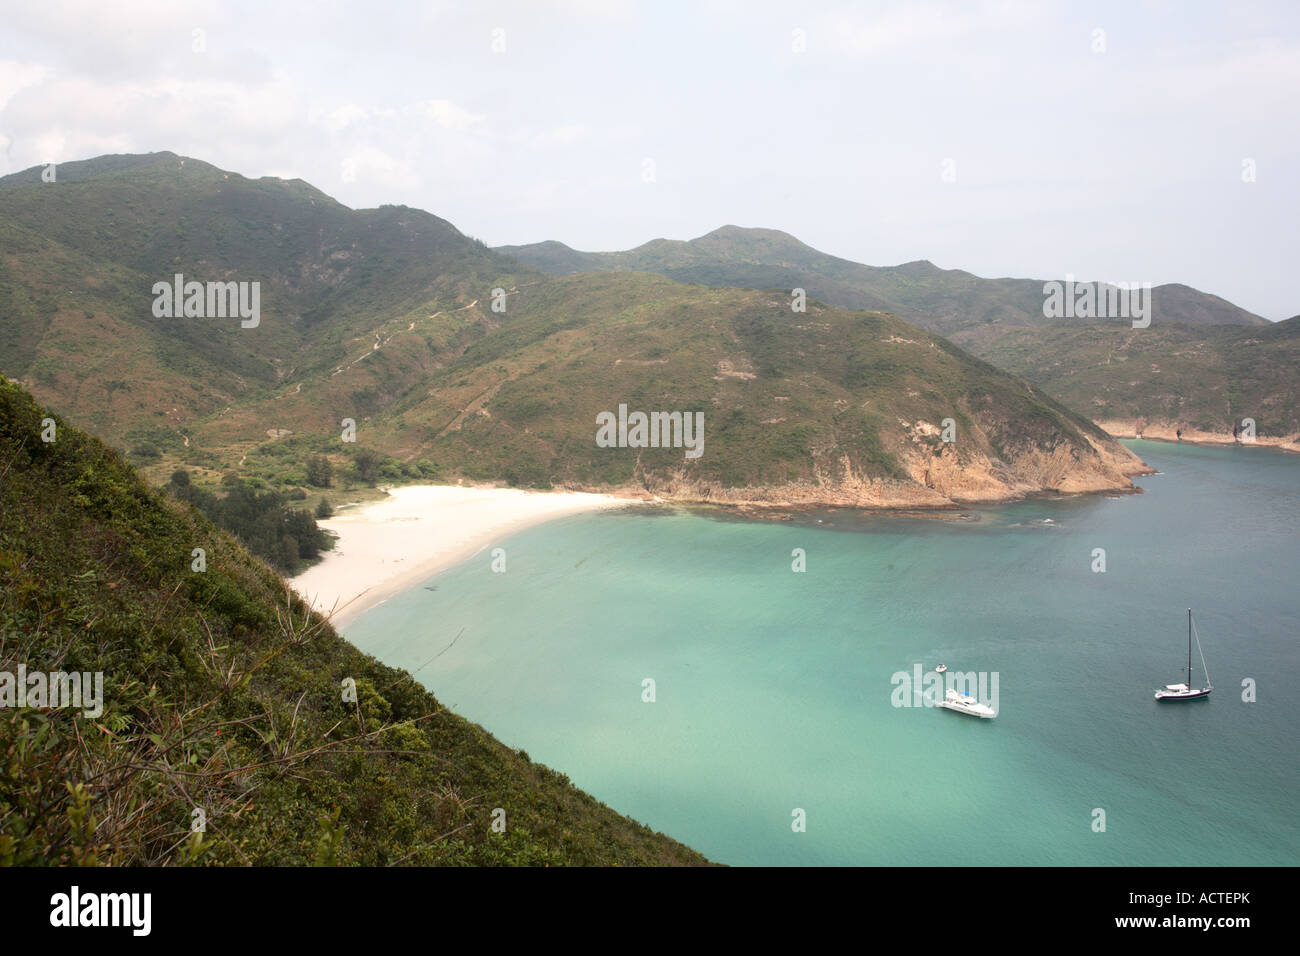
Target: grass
223	693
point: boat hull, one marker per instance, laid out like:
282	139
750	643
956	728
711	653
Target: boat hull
986	713
1184	695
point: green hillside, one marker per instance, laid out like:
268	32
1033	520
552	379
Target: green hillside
827	405
1201	364
1182	376
79	258
222	693
455	362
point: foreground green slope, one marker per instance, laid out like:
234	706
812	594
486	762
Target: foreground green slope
222	693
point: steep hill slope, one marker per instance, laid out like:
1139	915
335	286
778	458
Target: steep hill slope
224	703
1158	381
79	258
821	406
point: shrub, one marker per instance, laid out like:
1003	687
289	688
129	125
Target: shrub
146	451
320	473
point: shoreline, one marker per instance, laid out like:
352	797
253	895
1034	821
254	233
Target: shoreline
1128	428
385	547
962	510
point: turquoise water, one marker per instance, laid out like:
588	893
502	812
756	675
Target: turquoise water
773	688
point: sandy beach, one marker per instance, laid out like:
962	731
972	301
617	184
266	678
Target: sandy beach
387	546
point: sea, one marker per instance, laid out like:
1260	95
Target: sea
749	687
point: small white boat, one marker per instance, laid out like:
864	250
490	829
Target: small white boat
966	704
1187	691
941	668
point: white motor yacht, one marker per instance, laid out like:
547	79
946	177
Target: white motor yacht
966	704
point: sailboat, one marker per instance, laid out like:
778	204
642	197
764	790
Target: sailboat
1187	691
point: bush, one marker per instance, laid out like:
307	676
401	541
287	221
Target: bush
320	473
146	451
366	464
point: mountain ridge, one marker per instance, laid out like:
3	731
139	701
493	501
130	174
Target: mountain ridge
457	361
1080	361
841	281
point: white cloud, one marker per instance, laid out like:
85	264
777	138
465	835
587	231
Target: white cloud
125	37
339	118
448	114
370	163
924	26
566	134
15	76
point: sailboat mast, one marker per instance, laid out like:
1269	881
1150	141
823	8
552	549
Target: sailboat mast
1189	648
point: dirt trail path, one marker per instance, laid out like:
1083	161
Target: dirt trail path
378	344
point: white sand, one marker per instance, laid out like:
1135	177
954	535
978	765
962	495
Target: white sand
387	546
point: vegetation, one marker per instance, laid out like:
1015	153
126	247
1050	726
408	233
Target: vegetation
1201	377
320	472
82	254
1202	363
395	349
237	727
284	537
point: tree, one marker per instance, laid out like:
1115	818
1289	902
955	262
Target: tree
366	462
288	553
324	509
300	528
181	478
320	472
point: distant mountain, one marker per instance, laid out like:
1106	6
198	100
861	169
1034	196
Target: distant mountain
454	361
947	301
222	694
1217	362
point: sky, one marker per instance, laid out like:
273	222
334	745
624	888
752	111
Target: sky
1136	141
